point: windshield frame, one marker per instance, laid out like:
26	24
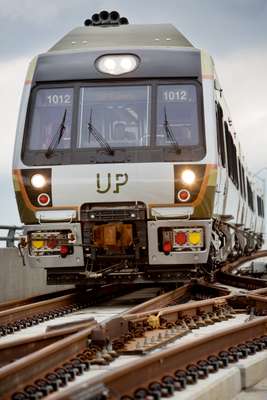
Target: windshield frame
150	153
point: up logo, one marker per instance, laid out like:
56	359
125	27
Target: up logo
105	184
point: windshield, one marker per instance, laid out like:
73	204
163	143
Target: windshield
98	123
177	109
50	107
119	113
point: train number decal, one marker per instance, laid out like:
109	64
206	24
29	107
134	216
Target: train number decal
104	185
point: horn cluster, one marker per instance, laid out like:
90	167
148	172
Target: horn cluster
105	18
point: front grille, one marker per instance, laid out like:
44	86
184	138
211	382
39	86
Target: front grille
113	212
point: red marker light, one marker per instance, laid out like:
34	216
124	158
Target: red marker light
43	199
181	238
183	195
167	247
64	250
52	243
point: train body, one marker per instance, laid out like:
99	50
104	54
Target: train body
126	166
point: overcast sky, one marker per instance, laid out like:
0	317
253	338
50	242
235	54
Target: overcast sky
234	32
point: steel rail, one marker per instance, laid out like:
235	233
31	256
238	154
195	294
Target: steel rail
21	347
8	305
177	296
10	352
36	365
31	314
15	376
125	380
224	275
29	310
190	309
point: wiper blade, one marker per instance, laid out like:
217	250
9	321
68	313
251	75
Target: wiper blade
170	133
57	137
97	135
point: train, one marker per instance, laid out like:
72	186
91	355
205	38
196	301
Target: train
127	167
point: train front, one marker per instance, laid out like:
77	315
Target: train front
112	171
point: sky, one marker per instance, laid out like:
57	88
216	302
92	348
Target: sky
234	32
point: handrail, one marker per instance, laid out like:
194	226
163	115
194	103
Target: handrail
11	237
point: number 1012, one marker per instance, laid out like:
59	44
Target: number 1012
175	95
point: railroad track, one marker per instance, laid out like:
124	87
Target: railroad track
162	374
21	315
34	299
39	336
226	276
88	340
131	335
17	316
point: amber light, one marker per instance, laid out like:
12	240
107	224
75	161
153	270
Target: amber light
181	238
38	244
195	238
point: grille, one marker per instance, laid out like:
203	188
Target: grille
109	213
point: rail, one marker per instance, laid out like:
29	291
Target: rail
226	276
11	237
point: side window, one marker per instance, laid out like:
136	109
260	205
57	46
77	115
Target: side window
260	206
220	134
250	196
240	177
231	156
243	181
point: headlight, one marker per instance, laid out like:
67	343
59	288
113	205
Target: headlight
38	181
117	64
188	176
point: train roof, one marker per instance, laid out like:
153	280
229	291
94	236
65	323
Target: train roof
90	37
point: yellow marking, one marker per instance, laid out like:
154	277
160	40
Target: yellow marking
153	321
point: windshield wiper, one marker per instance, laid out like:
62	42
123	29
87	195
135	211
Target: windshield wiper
97	135
170	133
57	137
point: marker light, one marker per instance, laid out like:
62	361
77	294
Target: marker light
180	238
183	195
38	181
188	176
194	238
64	250
43	199
117	64
167	247
52	243
38	244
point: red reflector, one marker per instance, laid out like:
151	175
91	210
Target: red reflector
167	247
52	243
180	238
43	199
183	195
64	250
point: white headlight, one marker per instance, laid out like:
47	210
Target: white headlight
188	176
38	181
117	64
